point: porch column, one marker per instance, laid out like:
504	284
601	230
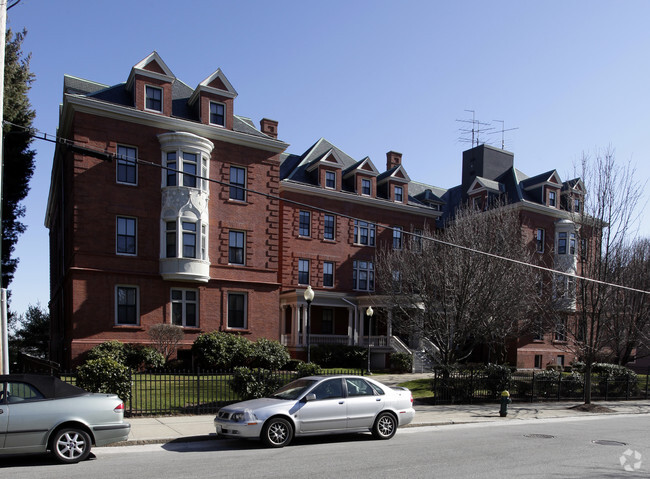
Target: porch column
389	324
362	324
350	326
283	323
294	325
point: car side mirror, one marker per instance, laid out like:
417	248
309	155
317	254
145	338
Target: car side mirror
310	397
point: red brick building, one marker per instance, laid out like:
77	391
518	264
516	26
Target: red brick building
138	243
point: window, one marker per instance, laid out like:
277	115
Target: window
328	274
127	167
538	333
363	275
399	194
576	205
189	169
236	242
327	322
330	179
189	239
561	243
237	311
303	271
416	240
237	183
153	98
551	198
397	237
478	203
204	243
583	249
364	233
19	392
304	223
538	361
366	187
328	227
126	235
560	329
539	238
171	169
126	299
185	307
560	360
170	238
217	114
358	387
330	389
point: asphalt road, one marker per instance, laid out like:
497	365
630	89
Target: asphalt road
592	447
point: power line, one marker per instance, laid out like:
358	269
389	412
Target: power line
108	156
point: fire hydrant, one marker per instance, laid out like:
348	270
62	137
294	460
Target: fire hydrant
505	400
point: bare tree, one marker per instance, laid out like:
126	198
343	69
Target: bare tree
457	297
166	338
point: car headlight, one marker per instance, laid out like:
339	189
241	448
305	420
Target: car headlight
244	416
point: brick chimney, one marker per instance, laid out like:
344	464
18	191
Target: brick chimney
393	159
269	127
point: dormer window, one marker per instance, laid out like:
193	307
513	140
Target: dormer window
576	205
217	114
399	194
153	98
551	199
330	179
366	187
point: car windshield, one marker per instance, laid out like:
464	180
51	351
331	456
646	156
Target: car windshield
294	389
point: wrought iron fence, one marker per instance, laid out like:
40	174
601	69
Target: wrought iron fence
186	392
476	386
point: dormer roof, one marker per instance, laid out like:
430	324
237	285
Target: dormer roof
397	173
575	185
550	178
153	67
483	184
364	166
331	158
217	83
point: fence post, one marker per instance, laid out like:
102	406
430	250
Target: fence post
132	391
559	386
647	373
198	389
471	386
532	389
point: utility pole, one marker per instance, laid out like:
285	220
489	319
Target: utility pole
4	333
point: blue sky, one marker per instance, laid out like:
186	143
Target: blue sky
369	76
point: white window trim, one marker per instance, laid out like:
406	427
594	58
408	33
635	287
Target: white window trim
537	230
162	98
202	160
363	180
137	304
333	274
243	263
233	185
117	165
210	113
245	295
335	179
308	270
184	302
117	218
395	189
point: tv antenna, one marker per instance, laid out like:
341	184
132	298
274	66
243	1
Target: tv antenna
503	130
475	130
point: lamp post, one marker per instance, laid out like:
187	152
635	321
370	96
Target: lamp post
369	313
309	297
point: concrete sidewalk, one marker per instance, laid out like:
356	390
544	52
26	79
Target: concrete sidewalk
150	430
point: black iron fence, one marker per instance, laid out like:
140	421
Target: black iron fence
186	392
476	386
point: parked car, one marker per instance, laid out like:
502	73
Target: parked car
319	405
42	413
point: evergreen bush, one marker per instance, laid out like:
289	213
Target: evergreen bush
105	375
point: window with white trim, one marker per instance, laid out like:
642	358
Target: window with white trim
539	240
304	224
189	239
189	169
237	311
328	227
561	242
236	247
170	239
126	164
153	98
363	275
364	233
185	307
551	198
328	274
217	114
127	305
126	239
171	172
303	271
366	187
397	237
399	194
237	183
330	179
182	168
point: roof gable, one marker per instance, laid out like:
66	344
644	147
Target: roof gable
151	66
331	159
217	84
364	166
397	173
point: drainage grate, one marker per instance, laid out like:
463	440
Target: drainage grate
603	442
539	436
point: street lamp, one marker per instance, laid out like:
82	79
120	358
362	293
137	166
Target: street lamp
309	297
369	313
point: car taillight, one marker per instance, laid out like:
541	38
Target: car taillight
119	407
411	399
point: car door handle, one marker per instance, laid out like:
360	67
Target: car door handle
378	399
341	402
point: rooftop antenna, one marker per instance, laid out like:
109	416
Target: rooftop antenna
503	130
476	129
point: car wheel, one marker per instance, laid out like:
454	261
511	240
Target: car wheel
385	426
71	445
277	432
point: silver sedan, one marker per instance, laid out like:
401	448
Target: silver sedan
319	405
43	413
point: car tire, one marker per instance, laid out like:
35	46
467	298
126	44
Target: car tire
277	432
385	426
70	445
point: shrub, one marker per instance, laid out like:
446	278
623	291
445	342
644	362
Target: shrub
110	349
546	382
166	338
141	358
219	350
401	362
269	354
497	378
572	384
254	383
105	375
307	369
340	356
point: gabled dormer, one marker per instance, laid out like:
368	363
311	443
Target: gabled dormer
150	83
544	188
394	181
214	100
328	169
483	192
363	176
573	193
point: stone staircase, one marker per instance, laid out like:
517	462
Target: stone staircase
421	361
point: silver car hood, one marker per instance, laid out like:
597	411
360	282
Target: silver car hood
256	404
